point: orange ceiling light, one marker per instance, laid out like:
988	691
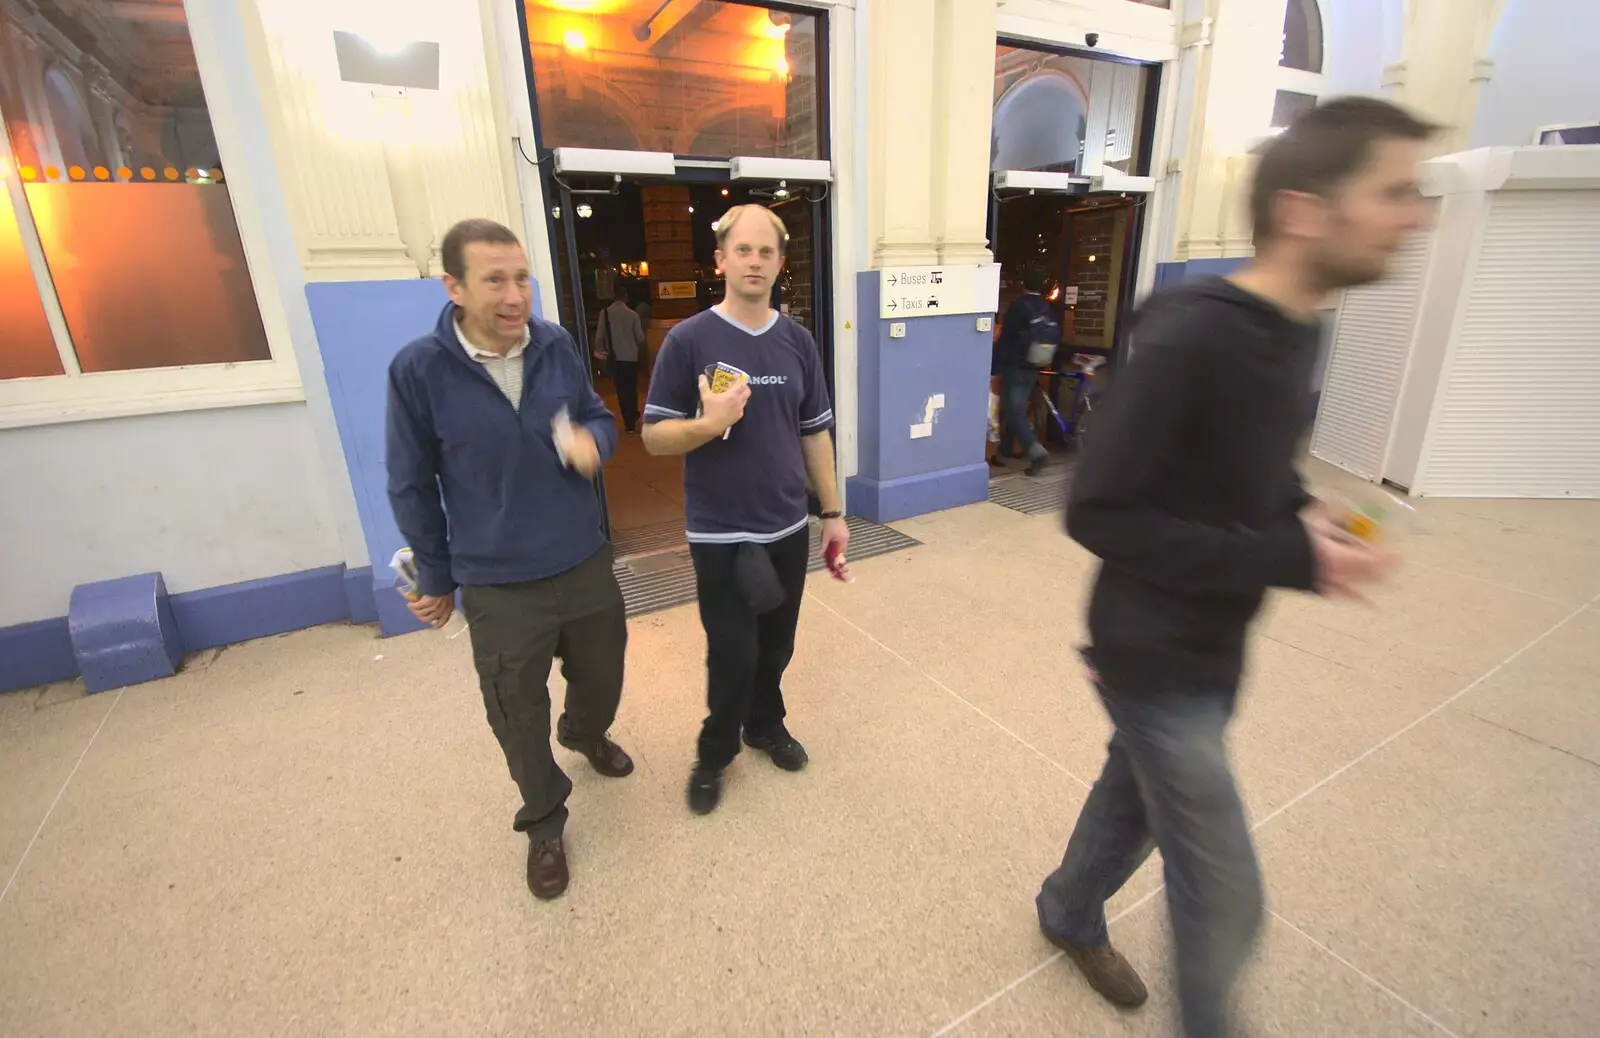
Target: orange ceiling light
580	6
575	41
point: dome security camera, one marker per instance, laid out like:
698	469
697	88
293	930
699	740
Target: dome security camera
1092	39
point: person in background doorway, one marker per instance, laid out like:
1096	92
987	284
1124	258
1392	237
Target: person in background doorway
750	450
642	308
619	340
1027	319
1188	494
476	432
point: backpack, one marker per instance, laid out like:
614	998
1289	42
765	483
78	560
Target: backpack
1044	338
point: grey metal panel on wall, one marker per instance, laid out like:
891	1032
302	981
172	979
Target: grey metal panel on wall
1370	346
1519	407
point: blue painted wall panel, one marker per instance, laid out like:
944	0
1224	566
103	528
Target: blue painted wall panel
361	325
898	476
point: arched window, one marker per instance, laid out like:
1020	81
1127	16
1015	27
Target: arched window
1299	75
1302	36
69	120
1039	124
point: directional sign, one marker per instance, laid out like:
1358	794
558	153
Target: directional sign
963	288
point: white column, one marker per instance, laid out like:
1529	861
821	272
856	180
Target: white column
353	220
963	111
1444	63
901	101
1239	43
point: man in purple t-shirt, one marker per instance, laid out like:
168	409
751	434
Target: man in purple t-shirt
749	451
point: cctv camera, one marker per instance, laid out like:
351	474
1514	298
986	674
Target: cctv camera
1092	39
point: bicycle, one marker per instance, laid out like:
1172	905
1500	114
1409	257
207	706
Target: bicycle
1073	428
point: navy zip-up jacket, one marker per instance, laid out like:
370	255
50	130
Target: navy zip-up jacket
457	448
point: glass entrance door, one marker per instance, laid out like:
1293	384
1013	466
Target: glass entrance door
646	248
700	81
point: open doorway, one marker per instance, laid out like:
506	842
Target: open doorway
1087	248
674	112
1070	153
649	243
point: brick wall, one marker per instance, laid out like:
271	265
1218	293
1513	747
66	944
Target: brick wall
798	270
668	245
800	119
1093	234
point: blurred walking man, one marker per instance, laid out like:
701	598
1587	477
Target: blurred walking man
493	422
1189	496
750	449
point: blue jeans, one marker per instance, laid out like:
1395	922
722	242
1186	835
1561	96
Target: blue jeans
1016	385
1167	784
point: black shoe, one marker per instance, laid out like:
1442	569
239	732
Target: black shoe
782	747
705	789
607	757
547	868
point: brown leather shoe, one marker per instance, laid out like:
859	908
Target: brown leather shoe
608	758
1107	972
547	869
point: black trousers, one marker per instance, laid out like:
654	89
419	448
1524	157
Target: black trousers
746	652
625	377
516	630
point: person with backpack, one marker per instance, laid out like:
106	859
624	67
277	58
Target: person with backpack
1029	338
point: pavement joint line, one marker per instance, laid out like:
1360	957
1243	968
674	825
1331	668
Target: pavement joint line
950	1027
1363	974
1473	684
951	692
59	794
1491	583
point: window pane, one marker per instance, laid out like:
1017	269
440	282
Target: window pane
112	137
26	347
1066	114
1287	106
711	78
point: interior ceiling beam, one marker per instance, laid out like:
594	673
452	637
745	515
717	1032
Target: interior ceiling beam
157	12
677	18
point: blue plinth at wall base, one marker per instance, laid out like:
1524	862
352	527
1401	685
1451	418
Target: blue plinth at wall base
46	651
889	500
359	597
37	653
123	632
260	608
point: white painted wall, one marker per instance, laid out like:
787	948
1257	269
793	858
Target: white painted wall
1545	71
204	497
1359	38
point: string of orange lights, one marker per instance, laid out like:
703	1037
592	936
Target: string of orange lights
170	174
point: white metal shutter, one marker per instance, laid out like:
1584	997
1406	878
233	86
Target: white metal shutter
1520	408
1371	343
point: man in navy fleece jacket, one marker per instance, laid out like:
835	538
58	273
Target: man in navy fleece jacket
489	503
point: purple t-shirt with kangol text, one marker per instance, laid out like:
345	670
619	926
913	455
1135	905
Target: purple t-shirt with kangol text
751	486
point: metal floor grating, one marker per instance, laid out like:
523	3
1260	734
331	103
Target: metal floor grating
654	582
1032	495
648	539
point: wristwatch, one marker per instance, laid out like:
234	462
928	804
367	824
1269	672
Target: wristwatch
830	515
